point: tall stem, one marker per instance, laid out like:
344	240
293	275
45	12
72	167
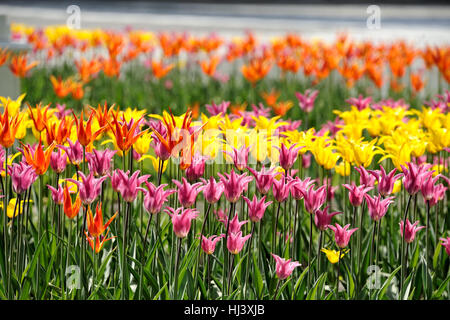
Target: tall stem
403	243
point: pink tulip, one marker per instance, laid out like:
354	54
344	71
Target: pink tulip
438	194
155	197
209	244
215	109
281	189
100	161
342	234
235	225
378	206
235	242
181	222
234	185
74	151
322	219
256	208
284	268
288	156
306	100
130	186
410	230
22	176
428	187
414	175
356	194
58	161
299	187
212	190
57	194
314	199
196	169
365	178
385	182
360	103
187	193
263	179
446	244
89	187
239	157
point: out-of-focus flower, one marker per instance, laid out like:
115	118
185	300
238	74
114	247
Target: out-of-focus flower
333	255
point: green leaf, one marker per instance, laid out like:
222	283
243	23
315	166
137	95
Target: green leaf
436	256
299	283
316	291
257	278
438	293
386	284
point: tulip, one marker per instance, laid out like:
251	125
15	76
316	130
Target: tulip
360	103
155	197
235	242
365	178
322	218
342	234
100	161
385	182
306	100
235	225
57	194
89	187
410	230
288	156
234	185
333	255
196	169
284	268
95	224
314	199
414	176
181	220
71	209
74	151
212	190
256	208
187	193
22	176
281	189
215	109
378	206
209	244
97	243
446	244
263	179
239	157
58	161
300	187
129	186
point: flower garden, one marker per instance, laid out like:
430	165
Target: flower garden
155	166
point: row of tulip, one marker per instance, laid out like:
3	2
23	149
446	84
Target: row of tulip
244	182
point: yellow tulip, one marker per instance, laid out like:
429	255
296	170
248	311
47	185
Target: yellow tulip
333	255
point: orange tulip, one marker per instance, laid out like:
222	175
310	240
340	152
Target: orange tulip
71	209
59	132
40	116
87	69
38	159
416	82
19	65
160	70
99	242
61	87
77	90
95	224
103	116
84	133
271	97
256	70
4	56
111	67
209	67
282	107
125	137
8	128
